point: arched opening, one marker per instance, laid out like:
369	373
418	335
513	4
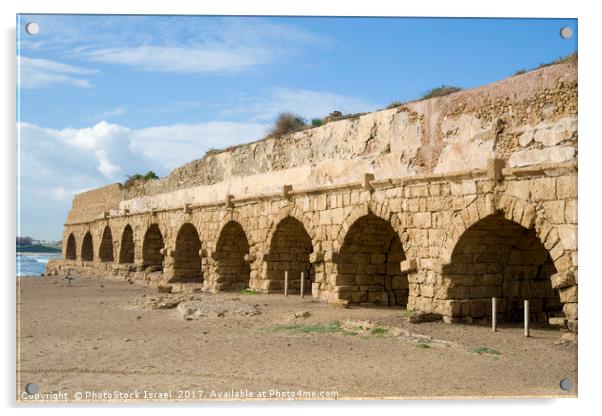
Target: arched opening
70	253
87	248
152	258
496	257
232	269
126	252
187	261
289	251
106	246
368	265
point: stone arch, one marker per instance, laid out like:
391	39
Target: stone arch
368	265
152	248
513	209
187	260
105	251
497	256
127	246
70	252
297	213
233	271
380	210
289	249
87	252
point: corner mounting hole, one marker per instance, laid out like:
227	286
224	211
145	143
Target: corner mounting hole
566	384
32	28
566	32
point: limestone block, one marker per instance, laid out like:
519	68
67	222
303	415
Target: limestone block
563	279
566	187
408	265
568	294
556	154
568	236
337	216
543	189
250	258
570	310
555	211
422	219
494	169
427	291
570	213
316	256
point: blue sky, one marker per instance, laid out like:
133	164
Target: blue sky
102	97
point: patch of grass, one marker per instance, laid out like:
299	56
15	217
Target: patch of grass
572	57
485	350
379	330
423	346
440	91
249	291
332	327
407	312
394	104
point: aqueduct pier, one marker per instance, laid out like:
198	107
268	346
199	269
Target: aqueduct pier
438	204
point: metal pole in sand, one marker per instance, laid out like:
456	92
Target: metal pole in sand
286	283
302	280
493	314
526	318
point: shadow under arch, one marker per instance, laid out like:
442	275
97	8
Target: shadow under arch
289	250
368	265
497	257
230	250
127	247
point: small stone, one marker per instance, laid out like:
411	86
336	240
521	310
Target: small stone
164	288
558	321
417	317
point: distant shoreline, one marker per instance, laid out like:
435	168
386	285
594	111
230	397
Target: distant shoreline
30	253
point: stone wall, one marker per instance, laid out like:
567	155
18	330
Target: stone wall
438	205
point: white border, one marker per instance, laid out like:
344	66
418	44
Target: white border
589	202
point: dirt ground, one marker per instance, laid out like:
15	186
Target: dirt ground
91	338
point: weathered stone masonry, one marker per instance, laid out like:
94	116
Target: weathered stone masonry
439	205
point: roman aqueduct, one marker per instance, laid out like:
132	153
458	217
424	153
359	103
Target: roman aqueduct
438	205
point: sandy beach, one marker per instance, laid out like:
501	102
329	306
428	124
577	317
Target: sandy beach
93	341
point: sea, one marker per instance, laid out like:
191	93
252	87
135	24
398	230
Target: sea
34	264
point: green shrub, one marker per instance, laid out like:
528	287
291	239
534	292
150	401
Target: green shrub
440	91
287	123
131	179
317	122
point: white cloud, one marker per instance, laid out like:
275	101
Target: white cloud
307	103
60	193
183	44
177	144
39	73
219	58
105	115
57	164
